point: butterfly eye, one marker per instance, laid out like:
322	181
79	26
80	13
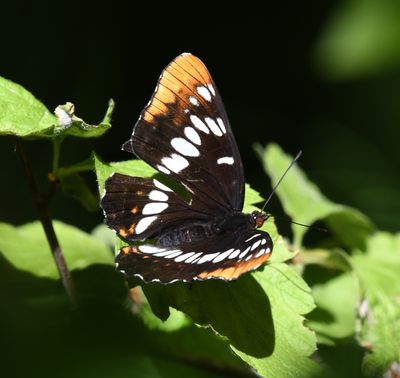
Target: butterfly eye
258	218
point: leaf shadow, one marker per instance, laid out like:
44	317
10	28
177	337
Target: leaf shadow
238	310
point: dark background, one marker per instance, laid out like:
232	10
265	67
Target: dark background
323	77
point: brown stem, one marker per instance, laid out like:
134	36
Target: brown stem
41	203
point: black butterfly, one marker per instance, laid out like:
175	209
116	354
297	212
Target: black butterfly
185	134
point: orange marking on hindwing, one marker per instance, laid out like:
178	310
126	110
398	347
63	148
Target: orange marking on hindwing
234	272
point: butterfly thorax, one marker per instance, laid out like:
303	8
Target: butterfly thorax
199	230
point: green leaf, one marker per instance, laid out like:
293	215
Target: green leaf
378	270
335	315
73	185
136	168
27	249
304	202
361	38
260	314
21	114
70	124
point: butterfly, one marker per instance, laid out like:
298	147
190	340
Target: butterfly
184	133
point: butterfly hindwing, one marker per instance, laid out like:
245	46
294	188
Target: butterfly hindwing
215	258
139	208
184	133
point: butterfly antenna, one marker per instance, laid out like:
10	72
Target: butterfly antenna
280	180
321	229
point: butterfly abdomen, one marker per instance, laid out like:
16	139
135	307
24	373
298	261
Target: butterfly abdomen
201	230
186	234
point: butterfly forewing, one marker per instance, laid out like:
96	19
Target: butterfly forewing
184	133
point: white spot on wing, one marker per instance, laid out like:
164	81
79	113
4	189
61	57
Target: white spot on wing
192	135
226	160
204	92
150	249
221	124
184	147
234	254
194	257
144	223
223	255
251	237
255	245
194	101
199	124
213	126
244	253
163	169
156	195
172	255
166	253
211	88
161	186
154	208
184	257
175	163
261	252
207	257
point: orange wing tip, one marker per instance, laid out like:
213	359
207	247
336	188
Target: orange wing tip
185	81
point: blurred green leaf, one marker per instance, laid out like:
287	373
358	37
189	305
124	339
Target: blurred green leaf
303	201
361	38
252	197
74	186
141	365
332	259
335	315
102	233
26	248
378	270
21	114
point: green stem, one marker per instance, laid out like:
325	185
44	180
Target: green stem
56	152
84	166
47	224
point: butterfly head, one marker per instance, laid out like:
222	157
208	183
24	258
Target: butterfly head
259	218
